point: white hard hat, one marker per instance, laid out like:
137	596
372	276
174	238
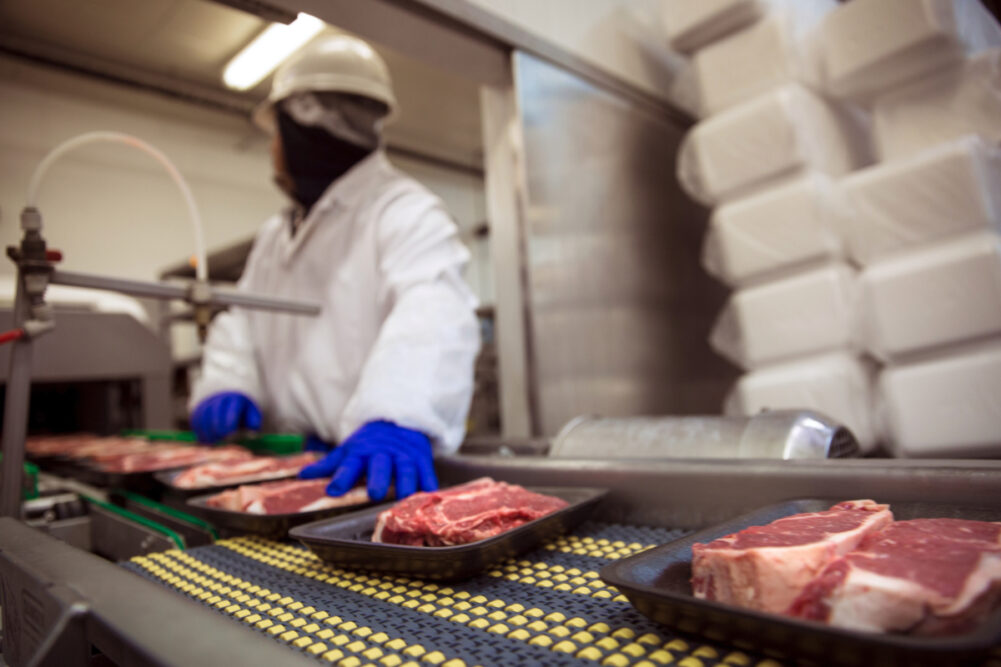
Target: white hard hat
338	64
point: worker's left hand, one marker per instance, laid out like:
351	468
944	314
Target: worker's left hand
381	451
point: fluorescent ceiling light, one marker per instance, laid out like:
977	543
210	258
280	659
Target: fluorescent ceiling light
268	50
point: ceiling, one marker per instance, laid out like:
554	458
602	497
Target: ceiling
181	46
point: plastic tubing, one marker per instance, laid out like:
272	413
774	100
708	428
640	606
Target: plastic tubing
201	268
12	335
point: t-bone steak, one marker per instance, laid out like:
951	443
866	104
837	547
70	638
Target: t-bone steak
285	497
924	576
461	514
766	567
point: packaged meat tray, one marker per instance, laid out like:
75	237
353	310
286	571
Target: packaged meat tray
271	508
347	540
658	582
214	476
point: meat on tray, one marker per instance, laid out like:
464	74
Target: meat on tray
924	576
766	567
163	457
104	452
285	497
461	514
253	470
53	445
82	445
854	567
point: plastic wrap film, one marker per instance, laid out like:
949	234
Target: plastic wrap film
936	295
839	385
948	406
866	47
691	24
945	190
777	230
961	100
800	315
760	57
771	138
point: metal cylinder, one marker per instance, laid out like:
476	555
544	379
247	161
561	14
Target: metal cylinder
769	435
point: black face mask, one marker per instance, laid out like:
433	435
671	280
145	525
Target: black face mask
314	158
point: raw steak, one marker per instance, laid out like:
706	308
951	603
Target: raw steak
56	445
466	513
285	497
255	470
766	567
82	445
162	457
102	453
925	576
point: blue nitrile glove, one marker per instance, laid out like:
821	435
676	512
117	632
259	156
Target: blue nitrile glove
220	414
378	450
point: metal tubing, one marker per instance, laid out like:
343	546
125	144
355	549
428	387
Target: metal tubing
220	297
15	412
125	286
233	298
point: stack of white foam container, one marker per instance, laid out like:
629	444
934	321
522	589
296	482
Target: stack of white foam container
870	292
766	156
923	224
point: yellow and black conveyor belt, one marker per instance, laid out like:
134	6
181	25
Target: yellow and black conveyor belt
262	602
548	607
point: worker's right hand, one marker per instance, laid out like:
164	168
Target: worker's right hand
220	414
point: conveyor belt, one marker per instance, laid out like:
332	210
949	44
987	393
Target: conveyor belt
547	607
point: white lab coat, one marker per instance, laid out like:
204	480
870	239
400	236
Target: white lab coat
397	335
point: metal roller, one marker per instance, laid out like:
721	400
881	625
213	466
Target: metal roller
769	435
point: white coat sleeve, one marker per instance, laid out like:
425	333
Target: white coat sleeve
419	373
228	358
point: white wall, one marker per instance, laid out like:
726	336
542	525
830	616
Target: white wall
112	210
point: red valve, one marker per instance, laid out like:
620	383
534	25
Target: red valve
12	335
54	255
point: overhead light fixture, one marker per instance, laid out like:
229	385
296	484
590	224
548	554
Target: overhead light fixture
268	50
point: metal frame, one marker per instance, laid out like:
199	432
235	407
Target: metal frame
493	27
504	182
59	601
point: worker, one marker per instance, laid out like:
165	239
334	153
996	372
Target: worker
386	368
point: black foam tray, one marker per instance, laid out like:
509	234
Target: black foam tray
658	583
347	540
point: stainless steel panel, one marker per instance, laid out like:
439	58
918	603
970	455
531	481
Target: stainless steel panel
619	308
95	346
694	494
118	538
